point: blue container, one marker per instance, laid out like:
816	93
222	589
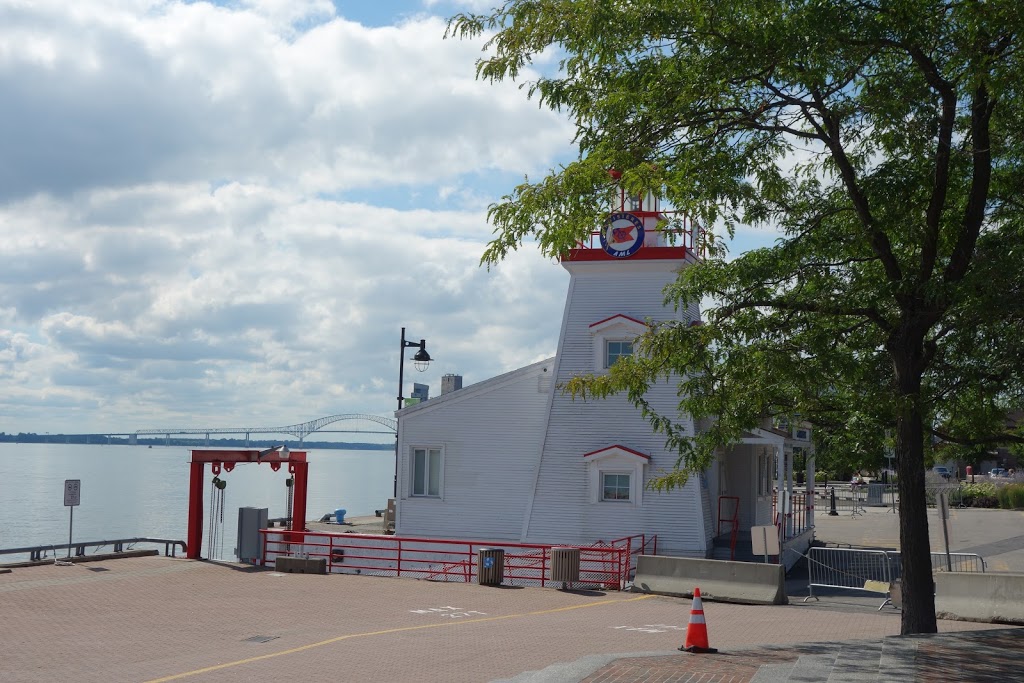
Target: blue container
339	516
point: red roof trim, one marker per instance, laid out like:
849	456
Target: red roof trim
618	315
620	448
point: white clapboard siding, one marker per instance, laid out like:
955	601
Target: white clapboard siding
514	445
561	509
709	523
490	433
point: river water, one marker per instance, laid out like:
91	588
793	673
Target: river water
134	491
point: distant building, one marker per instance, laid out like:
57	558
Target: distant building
450	383
421	392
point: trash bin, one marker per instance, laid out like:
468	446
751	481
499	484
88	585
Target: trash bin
490	566
565	565
339	516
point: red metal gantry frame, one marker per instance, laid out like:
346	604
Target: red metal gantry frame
218	459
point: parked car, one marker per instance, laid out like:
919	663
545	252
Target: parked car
942	472
998	472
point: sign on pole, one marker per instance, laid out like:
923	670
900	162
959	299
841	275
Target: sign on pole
72	497
764	540
72	492
947	529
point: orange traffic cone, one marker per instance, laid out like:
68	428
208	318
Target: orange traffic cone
697	629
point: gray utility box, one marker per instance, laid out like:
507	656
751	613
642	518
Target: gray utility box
565	565
875	494
490	566
250	542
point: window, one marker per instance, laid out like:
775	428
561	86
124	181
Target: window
615	350
426	472
765	472
615	486
613	338
616	474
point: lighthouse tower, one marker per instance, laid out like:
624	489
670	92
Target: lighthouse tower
597	455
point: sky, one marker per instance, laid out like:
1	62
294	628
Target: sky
221	215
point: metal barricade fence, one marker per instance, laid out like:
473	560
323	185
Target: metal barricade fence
872	571
960	562
849	569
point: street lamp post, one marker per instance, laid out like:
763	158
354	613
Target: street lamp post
420	361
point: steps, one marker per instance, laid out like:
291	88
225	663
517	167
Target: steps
721	548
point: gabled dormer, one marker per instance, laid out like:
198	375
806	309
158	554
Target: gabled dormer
615	475
613	338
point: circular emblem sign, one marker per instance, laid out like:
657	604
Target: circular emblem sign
623	235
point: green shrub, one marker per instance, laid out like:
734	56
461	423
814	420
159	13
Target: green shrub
981	495
1011	496
983	489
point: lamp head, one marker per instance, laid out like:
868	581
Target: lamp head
422	359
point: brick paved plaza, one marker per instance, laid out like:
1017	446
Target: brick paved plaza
166	619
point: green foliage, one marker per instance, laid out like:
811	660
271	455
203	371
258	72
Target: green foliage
979	489
1011	496
881	139
981	495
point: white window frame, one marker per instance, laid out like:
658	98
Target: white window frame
412	472
616	460
608	352
616	473
618	328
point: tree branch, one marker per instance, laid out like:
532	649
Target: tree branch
940	187
878	239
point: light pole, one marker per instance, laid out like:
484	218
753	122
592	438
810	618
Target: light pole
420	361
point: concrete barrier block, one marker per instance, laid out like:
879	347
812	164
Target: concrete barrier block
723	581
301	565
992	598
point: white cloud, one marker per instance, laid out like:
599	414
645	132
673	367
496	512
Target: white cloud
185	92
222	215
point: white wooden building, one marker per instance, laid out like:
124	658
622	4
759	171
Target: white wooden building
514	458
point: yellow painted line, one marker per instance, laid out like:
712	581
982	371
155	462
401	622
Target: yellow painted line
385	632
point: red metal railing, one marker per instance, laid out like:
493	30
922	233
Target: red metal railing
793	522
733	521
679	237
610	565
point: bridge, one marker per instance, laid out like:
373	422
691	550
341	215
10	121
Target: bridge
365	424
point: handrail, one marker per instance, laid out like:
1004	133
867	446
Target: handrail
434	558
734	522
38	552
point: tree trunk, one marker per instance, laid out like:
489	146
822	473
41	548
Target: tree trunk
918	587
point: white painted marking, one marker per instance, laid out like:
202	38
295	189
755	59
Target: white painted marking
449	612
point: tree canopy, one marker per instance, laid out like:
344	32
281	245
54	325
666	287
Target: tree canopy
881	139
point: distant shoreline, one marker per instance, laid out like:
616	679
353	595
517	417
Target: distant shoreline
103	440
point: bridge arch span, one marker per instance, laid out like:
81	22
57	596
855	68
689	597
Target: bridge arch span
300	430
304	429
